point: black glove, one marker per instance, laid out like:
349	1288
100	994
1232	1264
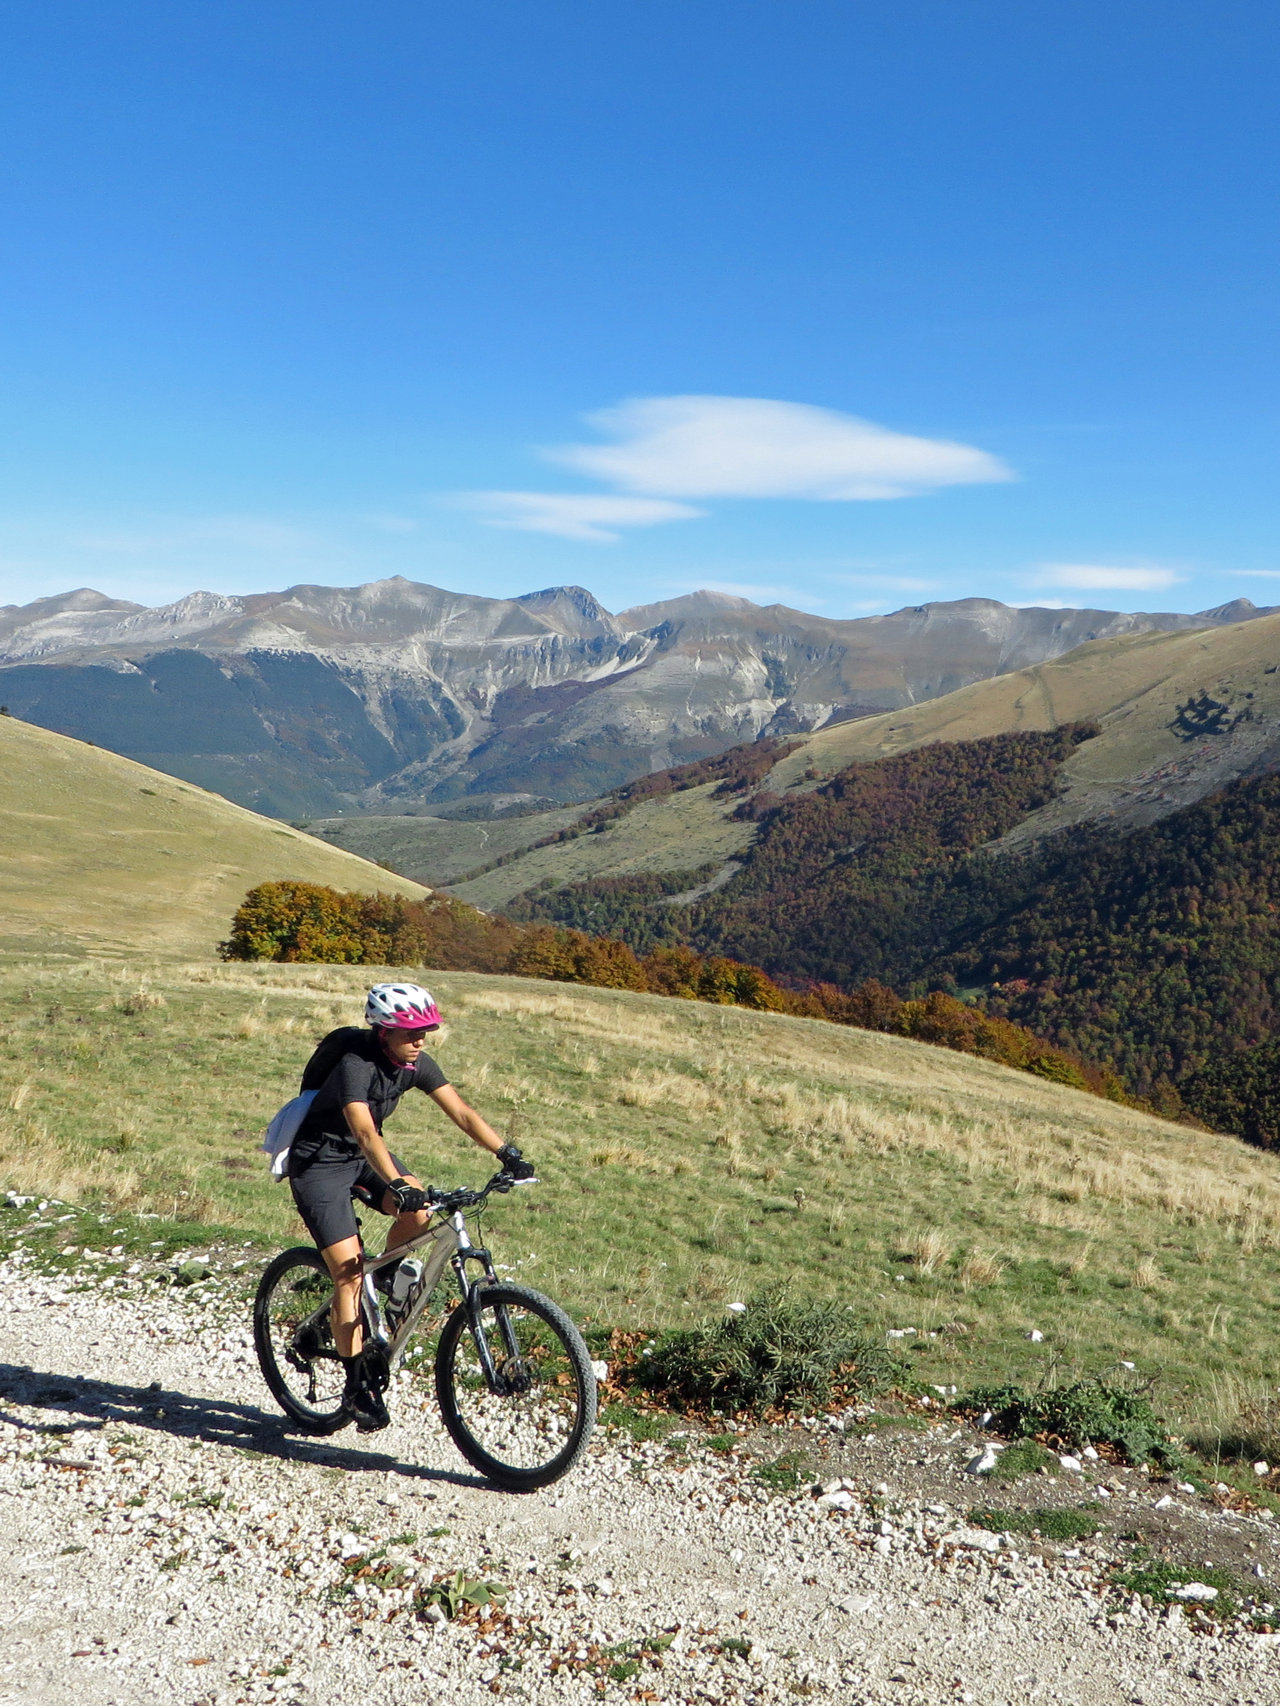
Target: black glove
513	1162
409	1199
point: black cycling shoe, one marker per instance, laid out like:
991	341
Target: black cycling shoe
362	1400
367	1410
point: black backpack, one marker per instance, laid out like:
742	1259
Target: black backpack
347	1039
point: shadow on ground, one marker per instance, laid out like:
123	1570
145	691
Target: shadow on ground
244	1427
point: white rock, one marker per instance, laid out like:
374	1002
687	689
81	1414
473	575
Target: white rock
1090	1453
841	1501
736	1308
1196	1591
601	1371
1125	1364
900	1332
884	1545
1035	1335
985	1461
858	1606
1261	1468
1072	1463
1164	1503
1185	1487
973	1540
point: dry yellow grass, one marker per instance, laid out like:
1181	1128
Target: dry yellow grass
101	855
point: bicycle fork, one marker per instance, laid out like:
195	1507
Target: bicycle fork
511	1377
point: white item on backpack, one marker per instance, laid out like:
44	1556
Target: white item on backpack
280	1134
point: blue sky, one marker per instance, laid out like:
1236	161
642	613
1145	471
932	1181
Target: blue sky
845	305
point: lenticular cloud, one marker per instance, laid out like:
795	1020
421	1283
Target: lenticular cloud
753	447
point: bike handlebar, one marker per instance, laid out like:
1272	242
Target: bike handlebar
451	1202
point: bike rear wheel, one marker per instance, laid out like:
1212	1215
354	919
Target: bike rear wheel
536	1426
294	1341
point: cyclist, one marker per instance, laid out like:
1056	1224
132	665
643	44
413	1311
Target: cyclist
339	1157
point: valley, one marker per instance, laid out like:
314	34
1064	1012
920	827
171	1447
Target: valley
386	698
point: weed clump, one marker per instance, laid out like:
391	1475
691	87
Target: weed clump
1160	1579
1063	1522
774	1354
1083	1412
1025	1457
785	1474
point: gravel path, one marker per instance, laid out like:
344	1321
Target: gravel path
164	1540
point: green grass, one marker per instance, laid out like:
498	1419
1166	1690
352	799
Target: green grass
671	1139
1158	1577
1059	1522
785	1474
1023	1457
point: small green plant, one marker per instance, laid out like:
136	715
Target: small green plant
723	1443
775	1353
883	1421
1024	1457
1161	1577
1064	1522
1083	1412
459	1593
737	1646
642	1425
785	1474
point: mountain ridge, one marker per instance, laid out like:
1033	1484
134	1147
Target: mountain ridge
397	695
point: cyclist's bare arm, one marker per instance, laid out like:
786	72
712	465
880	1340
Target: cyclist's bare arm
465	1118
360	1125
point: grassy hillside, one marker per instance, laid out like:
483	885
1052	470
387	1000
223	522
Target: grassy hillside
690	1154
101	855
439	850
1147	761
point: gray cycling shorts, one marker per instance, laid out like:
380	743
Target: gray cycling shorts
326	1194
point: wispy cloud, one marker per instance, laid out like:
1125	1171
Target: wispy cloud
1258	574
754	447
1107	577
572	515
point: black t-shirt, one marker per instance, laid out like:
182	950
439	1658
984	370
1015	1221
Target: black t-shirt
364	1073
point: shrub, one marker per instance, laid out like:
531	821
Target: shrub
774	1354
1084	1412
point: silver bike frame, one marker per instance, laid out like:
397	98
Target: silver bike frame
444	1242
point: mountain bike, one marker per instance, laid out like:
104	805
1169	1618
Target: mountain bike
513	1377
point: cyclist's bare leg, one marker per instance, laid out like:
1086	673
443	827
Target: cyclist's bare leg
345	1269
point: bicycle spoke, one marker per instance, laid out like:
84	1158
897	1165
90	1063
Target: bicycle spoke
529	1423
294	1340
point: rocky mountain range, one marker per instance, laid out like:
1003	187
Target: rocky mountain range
400	697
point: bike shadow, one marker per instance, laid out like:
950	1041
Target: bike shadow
215	1421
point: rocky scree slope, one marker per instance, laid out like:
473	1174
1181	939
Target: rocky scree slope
388	696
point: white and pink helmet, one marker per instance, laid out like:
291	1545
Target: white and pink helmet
401	1007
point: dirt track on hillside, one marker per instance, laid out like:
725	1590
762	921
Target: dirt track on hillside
164	1540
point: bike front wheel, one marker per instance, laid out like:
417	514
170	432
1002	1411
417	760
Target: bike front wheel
294	1341
532	1424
